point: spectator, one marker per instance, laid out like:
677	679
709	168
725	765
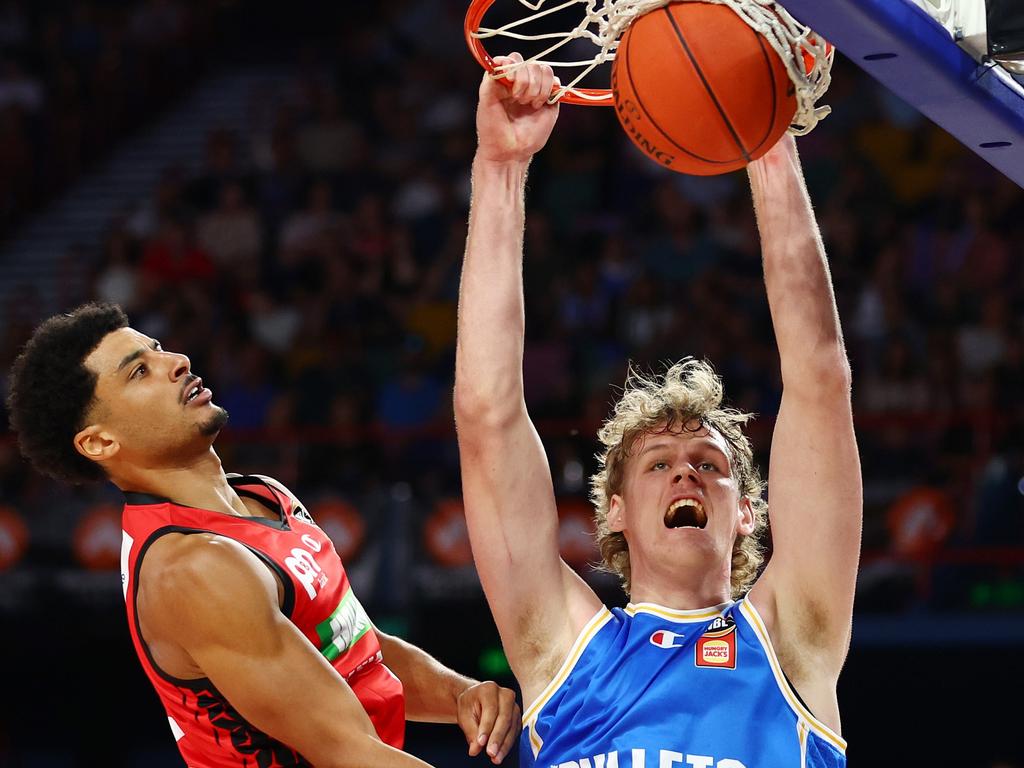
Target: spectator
173	259
311	228
233	235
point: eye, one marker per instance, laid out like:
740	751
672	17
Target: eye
659	465
139	371
707	466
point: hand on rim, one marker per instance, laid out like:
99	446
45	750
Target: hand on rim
513	119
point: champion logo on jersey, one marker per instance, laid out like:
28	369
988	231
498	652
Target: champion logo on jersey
665	639
716	648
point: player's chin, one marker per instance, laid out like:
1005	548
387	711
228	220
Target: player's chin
215	422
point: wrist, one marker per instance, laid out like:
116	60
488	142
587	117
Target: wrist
457	687
500	166
462	684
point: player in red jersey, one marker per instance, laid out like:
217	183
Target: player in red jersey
238	605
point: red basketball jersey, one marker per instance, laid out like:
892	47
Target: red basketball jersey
317	598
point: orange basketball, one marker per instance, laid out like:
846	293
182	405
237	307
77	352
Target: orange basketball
699	90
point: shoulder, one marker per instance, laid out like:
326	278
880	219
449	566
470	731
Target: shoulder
196	580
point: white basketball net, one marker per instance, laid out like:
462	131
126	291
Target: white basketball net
604	21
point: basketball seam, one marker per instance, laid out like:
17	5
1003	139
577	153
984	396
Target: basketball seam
771	79
649	116
707	86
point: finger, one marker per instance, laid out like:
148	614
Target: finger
555	85
503	723
524	83
492	77
488	702
501	64
546	81
512	72
512	736
536	85
469	725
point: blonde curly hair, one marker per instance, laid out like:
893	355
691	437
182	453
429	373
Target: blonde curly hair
690	391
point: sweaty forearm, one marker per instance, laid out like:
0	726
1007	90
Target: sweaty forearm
796	273
489	353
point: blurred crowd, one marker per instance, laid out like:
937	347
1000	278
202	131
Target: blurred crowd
77	76
310	271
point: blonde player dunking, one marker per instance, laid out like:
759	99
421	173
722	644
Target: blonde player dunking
706	666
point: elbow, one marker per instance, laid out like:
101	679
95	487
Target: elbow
824	375
833	371
486	409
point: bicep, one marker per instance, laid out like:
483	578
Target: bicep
537	601
815	505
256	657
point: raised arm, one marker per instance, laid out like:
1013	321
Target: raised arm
233	630
814	481
539	604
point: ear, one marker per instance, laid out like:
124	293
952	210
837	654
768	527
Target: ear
746	517
616	513
96	444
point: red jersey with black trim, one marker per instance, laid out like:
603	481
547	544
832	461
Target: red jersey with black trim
318	600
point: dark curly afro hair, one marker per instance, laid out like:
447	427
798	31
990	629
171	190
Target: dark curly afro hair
51	390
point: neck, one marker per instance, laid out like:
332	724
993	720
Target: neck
687	593
199	483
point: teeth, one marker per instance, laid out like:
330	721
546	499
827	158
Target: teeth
695	517
686	503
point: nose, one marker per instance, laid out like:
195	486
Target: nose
689	473
180	366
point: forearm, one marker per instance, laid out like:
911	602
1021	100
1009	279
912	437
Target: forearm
431	689
796	273
489	353
367	750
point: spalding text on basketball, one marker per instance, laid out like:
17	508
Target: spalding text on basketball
629	115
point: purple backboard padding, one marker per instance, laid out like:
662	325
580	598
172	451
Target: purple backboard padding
929	72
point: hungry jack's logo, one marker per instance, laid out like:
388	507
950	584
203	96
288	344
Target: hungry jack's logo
716	648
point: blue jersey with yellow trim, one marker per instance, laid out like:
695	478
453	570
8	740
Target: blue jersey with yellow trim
651	687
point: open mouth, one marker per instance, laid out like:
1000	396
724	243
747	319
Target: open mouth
686	513
193	391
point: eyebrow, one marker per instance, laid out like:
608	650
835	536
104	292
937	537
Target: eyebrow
705	442
132	356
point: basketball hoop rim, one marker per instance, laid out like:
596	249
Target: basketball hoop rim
598	97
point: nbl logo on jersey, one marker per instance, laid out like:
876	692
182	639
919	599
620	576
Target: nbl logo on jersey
716	648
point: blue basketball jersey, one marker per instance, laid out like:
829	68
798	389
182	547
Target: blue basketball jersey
651	687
